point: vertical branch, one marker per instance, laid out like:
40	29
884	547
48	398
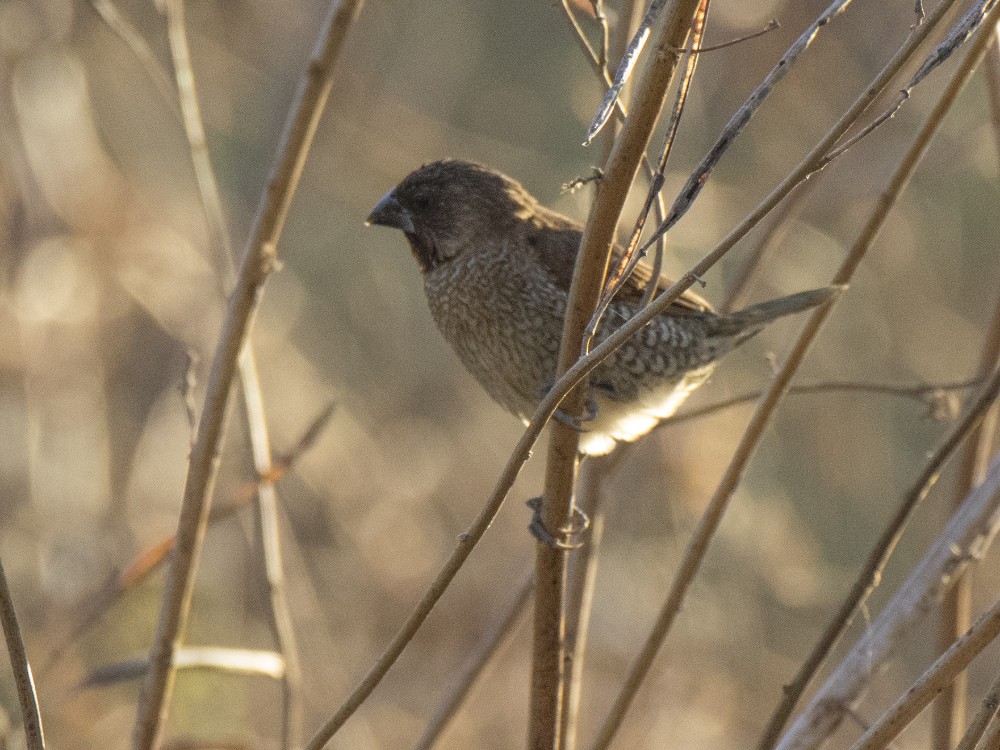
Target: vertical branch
194	131
280	619
268	532
259	259
582	570
949	710
581	579
548	672
25	683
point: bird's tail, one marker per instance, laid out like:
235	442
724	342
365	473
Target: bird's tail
747	322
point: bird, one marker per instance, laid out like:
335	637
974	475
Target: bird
497	267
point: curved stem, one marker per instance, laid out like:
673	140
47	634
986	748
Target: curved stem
31	719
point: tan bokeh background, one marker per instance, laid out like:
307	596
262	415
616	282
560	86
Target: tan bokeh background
107	280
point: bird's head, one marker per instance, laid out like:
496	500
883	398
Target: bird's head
449	207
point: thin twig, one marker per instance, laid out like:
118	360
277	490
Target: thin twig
595	471
625	67
958	35
870	573
942	672
919	393
630	257
268	534
248	661
772	25
259	259
621	114
965	539
473	670
31	719
868	129
548	674
602	19
125	31
194	131
986	713
742	117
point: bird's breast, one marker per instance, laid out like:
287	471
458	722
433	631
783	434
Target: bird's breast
503	321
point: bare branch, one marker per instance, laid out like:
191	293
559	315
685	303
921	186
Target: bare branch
986	713
625	68
483	653
965	538
259	259
943	671
125	31
247	661
743	115
548	674
31	718
924	394
959	34
888	539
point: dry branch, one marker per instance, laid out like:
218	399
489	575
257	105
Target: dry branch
471	672
986	713
280	619
966	538
31	719
259	259
548	674
949	710
941	673
887	541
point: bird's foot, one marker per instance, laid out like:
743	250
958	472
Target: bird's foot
577	526
571	421
577	423
596	175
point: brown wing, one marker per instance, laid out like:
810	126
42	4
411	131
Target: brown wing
556	241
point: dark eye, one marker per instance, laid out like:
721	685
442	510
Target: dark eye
421	202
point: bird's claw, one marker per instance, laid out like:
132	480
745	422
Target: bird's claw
574	422
577	526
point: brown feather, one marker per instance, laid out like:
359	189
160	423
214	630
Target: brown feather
556	242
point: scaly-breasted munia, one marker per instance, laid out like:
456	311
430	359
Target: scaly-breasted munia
497	268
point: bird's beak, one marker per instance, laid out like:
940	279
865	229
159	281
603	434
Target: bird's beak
389	212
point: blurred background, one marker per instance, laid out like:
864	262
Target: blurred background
109	282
